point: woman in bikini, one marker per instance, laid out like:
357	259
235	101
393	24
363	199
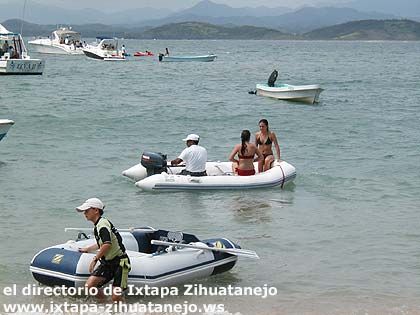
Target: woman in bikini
264	140
246	151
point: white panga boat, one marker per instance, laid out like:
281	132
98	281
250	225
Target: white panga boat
298	93
105	48
155	174
14	58
63	41
5	125
203	58
158	258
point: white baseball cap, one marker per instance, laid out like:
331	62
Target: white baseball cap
91	203
192	137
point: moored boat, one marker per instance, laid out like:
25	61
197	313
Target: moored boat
105	48
155	174
298	93
14	58
157	257
5	125
143	54
63	41
203	58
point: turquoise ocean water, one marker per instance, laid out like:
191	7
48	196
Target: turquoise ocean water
344	239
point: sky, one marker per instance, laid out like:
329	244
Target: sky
112	5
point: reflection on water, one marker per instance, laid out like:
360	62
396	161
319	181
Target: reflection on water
249	210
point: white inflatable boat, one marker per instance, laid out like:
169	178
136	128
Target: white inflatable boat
5	125
158	258
155	174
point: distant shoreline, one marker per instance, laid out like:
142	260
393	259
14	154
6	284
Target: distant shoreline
364	30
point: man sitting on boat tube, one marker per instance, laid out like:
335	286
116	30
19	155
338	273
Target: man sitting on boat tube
194	156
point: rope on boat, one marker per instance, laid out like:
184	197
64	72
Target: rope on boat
284	177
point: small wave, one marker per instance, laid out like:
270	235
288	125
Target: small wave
256	236
44	116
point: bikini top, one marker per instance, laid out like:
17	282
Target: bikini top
267	141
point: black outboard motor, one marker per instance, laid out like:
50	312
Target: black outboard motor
273	77
154	162
160	57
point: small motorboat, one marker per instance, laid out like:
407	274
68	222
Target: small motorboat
143	54
115	58
16	59
63	41
155	174
5	125
298	93
204	58
158	258
105	48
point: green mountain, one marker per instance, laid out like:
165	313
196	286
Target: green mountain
87	30
358	30
369	30
184	30
197	30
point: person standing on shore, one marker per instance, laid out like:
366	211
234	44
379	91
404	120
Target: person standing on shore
114	262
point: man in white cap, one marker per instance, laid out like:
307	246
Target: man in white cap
194	156
114	262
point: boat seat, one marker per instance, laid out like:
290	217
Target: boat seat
143	241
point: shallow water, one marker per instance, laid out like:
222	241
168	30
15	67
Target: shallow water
342	240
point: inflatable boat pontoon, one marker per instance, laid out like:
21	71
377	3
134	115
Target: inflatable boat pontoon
155	174
158	258
5	125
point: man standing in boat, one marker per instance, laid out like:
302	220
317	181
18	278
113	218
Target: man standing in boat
114	262
194	156
4	48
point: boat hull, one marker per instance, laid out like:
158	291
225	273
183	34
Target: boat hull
297	93
56	49
151	265
220	177
5	125
21	66
95	54
205	58
115	58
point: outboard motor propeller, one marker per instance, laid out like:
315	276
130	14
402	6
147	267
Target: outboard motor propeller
154	162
